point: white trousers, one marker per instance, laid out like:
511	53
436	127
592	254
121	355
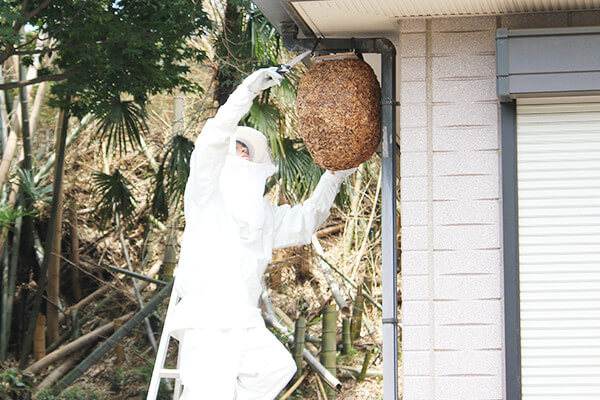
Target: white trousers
233	364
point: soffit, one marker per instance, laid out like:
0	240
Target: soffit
342	17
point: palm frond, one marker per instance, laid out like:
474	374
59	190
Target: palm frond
122	123
160	204
172	175
116	197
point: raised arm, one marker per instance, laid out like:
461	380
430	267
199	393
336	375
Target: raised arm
212	144
294	226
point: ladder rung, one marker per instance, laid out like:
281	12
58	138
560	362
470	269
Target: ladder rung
168	373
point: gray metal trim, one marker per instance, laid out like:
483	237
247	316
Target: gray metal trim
502	81
547	61
388	228
578	30
510	237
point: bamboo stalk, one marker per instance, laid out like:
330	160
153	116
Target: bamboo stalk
294	386
365	366
75	345
357	313
119	349
114	339
39	338
353	284
37	106
57	190
308	339
3	118
311	360
8	155
58	372
25	131
346	341
4	324
9	277
328	342
333	286
75	325
354	372
170	258
61	340
54	276
299	333
75	283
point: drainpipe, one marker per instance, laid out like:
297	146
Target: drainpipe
387	50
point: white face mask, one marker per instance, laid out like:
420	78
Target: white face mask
242	183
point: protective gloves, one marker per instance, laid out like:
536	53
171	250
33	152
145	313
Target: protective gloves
262	79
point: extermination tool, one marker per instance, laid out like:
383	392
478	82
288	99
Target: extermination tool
285	68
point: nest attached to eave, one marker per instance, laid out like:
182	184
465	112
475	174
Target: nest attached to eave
339	112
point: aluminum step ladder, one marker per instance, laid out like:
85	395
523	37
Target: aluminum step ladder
160	372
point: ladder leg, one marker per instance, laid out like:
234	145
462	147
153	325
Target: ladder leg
178	383
161	354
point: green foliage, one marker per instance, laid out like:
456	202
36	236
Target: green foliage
116	197
36	192
117	379
72	393
351	358
104	48
9	14
126	46
9	214
172	175
120	122
12	384
144	374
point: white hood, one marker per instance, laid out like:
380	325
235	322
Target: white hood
242	184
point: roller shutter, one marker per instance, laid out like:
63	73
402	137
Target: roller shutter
558	153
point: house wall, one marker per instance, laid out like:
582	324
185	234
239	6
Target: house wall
452	309
450	208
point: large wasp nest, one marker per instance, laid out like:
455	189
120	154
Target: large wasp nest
339	112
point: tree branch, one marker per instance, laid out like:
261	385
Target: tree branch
43	78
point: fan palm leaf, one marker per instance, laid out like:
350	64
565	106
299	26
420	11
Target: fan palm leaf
172	176
116	197
122	123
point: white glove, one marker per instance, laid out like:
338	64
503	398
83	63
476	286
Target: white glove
262	79
344	173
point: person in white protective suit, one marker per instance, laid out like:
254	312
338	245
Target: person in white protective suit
226	352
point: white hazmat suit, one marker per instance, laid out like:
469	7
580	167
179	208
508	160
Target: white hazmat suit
231	230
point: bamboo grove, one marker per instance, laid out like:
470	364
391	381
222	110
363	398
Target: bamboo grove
100	103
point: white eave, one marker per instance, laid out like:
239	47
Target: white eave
331	18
